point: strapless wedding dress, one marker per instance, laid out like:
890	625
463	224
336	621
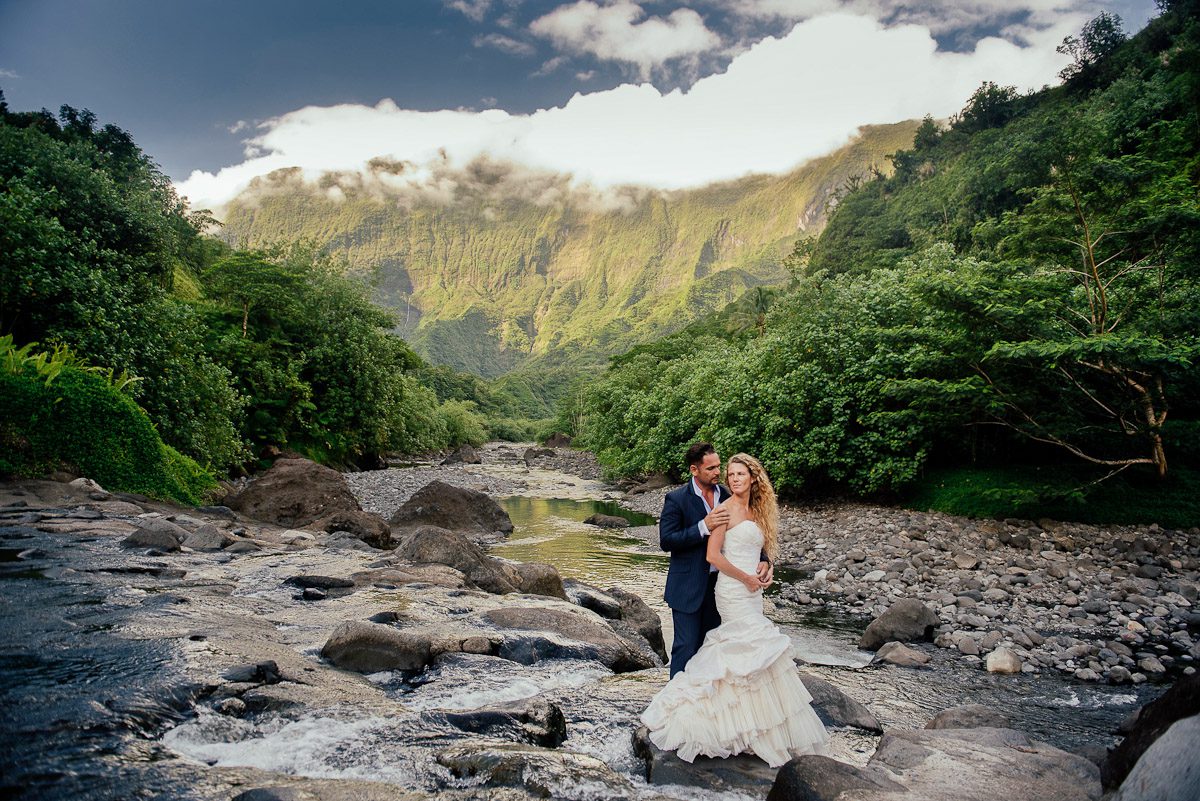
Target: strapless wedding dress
740	692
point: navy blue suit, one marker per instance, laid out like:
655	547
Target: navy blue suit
690	584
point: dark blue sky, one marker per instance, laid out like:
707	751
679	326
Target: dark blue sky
180	75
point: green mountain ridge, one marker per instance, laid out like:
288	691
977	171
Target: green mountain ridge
492	269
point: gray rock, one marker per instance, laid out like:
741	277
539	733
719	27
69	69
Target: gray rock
607	521
899	654
574	635
156	534
444	547
371	529
464	454
638	614
458	509
207	538
819	778
906	620
592	598
294	492
530	720
1003	660
370	648
1169	770
537	578
540	772
835	708
968	716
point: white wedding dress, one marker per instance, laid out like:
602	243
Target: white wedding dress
740	692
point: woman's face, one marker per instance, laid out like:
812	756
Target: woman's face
739	478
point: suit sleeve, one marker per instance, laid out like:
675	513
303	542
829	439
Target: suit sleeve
672	534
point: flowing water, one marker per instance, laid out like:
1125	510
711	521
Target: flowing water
91	708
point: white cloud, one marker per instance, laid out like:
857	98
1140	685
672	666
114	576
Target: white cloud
614	33
585	75
779	103
473	9
238	127
504	43
8	74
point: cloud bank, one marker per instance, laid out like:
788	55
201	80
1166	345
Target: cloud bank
781	102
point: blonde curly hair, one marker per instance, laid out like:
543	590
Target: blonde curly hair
763	506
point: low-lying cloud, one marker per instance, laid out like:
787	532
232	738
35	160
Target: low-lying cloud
781	102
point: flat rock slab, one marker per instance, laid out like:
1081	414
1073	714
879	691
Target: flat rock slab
743	773
835	708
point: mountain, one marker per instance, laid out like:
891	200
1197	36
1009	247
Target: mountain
495	267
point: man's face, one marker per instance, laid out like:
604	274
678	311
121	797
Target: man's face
708	471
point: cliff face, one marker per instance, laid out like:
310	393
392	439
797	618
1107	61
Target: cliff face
490	267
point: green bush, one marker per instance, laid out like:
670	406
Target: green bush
82	423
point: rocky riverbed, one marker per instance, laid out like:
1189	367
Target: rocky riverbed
330	654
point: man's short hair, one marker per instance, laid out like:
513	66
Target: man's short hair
697	452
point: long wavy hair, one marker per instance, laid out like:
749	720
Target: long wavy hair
763	506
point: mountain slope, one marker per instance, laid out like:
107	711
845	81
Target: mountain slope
492	268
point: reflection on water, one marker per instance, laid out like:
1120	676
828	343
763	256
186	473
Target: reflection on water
552	530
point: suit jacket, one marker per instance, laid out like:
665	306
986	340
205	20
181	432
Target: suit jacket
679	534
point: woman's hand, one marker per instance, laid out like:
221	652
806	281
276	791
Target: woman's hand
752	583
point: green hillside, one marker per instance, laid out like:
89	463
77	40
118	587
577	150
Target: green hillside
490	279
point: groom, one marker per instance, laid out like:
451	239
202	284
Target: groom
689	513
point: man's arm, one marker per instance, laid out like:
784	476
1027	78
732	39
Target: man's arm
672	534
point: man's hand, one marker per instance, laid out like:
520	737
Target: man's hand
766	573
717	517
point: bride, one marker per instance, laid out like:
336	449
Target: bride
740	692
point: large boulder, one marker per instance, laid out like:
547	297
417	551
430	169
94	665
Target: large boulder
1170	768
899	654
370	648
819	778
607	521
371	529
443	547
1181	701
835	708
294	493
460	509
564	634
644	620
464	454
538	578
906	620
593	598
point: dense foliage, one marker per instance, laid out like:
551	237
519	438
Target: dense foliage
233	351
50	405
1024	289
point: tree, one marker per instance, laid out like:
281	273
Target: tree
251	280
1098	39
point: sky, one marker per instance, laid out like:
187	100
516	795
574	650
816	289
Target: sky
666	94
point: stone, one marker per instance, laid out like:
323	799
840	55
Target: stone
320	582
965	561
607	521
1151	666
899	654
574	635
463	454
906	620
266	672
1169	770
874	575
444	547
370	528
656	481
540	772
530	720
968	716
592	598
537	578
819	778
156	538
1182	700
558	440
294	492
1004	661
835	708
458	509
644	620
370	648
207	538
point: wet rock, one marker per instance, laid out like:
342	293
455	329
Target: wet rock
820	778
464	454
906	620
638	614
303	789
371	529
899	654
607	521
592	598
576	636
232	707
953	764
1182	700
207	538
1003	660
266	672
152	538
968	716
1169	770
313	594
294	492
531	720
320	582
370	648
454	508
545	774
654	482
835	708
445	547
743	775
537	578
